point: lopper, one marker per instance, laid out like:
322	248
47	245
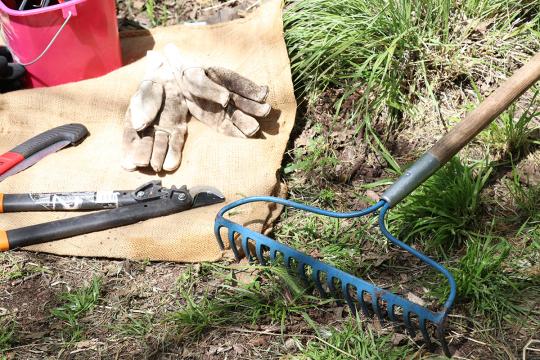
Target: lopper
120	208
358	293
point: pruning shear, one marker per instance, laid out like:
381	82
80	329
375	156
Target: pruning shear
120	208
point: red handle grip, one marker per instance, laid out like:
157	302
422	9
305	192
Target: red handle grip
9	160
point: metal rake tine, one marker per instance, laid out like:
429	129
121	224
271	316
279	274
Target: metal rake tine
217	233
258	251
376	307
425	334
288	261
363	306
408	324
232	242
316	279
333	290
347	297
245	246
442	340
390	308
330	284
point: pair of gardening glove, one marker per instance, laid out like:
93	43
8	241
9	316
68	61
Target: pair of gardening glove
155	124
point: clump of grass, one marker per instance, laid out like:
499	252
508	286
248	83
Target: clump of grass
486	284
512	133
337	242
353	341
388	49
273	297
316	157
150	12
445	210
75	305
7	334
136	326
21	270
526	198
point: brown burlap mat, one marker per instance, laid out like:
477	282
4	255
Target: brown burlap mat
253	46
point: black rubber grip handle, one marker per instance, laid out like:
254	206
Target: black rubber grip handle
73	133
106	219
67	201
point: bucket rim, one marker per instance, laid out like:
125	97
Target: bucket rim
13	12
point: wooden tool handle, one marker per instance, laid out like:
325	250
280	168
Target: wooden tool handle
487	111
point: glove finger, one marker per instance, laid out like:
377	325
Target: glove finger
250	107
199	85
142	151
227	127
129	137
136	146
248	125
159	150
145	104
236	83
207	112
176	144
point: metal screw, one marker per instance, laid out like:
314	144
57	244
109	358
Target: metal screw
140	194
182	196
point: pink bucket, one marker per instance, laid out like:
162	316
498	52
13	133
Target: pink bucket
66	42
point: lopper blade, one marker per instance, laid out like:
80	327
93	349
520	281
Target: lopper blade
205	195
34	158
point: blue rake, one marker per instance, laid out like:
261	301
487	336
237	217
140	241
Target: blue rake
353	289
359	293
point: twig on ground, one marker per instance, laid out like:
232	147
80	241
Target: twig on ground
527	348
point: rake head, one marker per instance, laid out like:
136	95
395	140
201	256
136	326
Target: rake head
330	281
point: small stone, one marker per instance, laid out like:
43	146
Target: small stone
372	195
290	344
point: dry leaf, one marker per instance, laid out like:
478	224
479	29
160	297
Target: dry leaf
398	339
415	299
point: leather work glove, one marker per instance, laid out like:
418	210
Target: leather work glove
155	122
220	98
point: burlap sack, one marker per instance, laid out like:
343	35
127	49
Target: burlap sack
253	46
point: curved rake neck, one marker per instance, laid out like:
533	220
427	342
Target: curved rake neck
435	265
312	209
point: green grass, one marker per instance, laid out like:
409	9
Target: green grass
22	270
273	296
514	131
316	156
445	210
138	326
488	283
150	12
338	242
387	50
74	306
526	199
353	340
7	334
